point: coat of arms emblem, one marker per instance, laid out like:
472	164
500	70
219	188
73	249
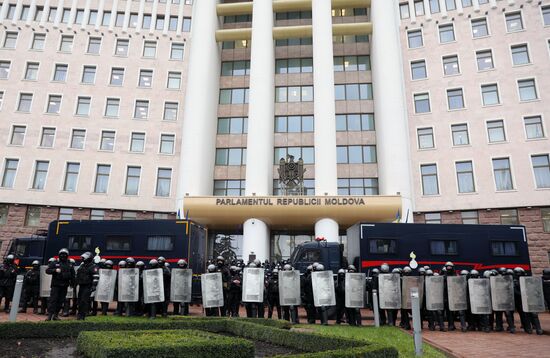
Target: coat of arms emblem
291	176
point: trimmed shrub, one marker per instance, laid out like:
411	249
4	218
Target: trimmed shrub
164	343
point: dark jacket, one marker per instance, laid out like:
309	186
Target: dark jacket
32	278
8	275
85	274
65	277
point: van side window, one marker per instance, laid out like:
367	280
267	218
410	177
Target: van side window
444	247
311	256
80	242
118	243
382	246
504	248
160	243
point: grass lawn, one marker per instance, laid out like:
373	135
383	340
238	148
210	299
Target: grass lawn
386	335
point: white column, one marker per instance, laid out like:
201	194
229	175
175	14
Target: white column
198	137
17	13
261	112
476	5
180	18
32	12
493	3
324	109
58	14
390	110
72	15
412	11
459	7
443	8
140	16
100	10
427	10
114	11
4	11
154	16
86	16
166	20
45	14
126	16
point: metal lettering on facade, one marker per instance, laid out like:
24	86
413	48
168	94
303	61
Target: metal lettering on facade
331	201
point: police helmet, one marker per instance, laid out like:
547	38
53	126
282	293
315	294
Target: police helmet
275	272
375	271
385	268
320	267
449	264
258	263
502	270
407	270
51	259
86	256
252	265
341	272
182	263
464	273
509	272
72	261
427	267
102	261
429	272
10	258
167	264
422	271
396	270
130	261
546	273
140	264
519	271
108	264
351	268
315	264
122	263
63	251
233	269
309	268
35	263
161	259
287	267
474	274
211	268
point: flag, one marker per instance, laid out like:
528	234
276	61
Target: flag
397	216
179	215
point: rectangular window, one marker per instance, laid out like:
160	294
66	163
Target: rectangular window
83	106
54	104
160	243
484	60
533	127
234	125
495	131
231	156
8	177
229	187
541	167
102	178
358	186
418	70
307	154
38	41
353	122
24	13
425	138
32	218
455	99
40	174
112	107
106	20
404	10
119	21
466	3
465	177
129	215
10	40
504	248
121	48
5	69
294	124
71	177
4	209
118	243
167	143
173	23
514	22
96	214
65	16
240	68
450	65
235	95
446	33
94	45
489	95
546	15
146	24
430	184
353	92
141	110
309	187
88	74
174	80
78	138
107	141
460	134
470	217
47	138
18	135
432	218
170	111
38	13
66	44
31	72
415	39
117	76
356	154
545	215
419	7
160	216
79	16
52	14
527	90
164	179
133	21
422	103
60	73
434	6
145	78
92	19
137	142
450	5
520	55
382	246
480	28
503	174
150	49
25	102
160	23
186	25
177	51
343	64
133	175
80	243
443	247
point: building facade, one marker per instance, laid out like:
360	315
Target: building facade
432	111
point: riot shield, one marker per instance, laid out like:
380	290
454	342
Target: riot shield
289	288
480	295
45	282
407	283
502	293
253	284
457	293
323	288
180	285
212	290
389	291
434	293
153	286
128	285
355	290
105	290
532	296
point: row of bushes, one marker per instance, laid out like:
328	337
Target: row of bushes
165	343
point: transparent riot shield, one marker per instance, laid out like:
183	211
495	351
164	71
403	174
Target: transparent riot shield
105	290
45	282
180	285
532	295
71	290
128	285
153	286
480	295
323	288
502	293
212	290
355	290
253	284
289	288
457	293
408	282
389	291
434	293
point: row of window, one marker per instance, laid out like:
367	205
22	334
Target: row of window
305	41
345	92
101	182
93	47
496	132
118	19
107	140
527	91
84	104
297	15
89	72
502	173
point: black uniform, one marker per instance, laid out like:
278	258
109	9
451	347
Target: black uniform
8	275
235	294
32	288
340	289
307	298
84	279
62	277
546	286
273	296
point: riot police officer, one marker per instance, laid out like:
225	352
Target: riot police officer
181	264
84	279
405	317
307	295
166	276
449	272
130	306
530	320
62	277
340	291
546	286
273	294
32	287
8	276
140	306
153	308
120	306
323	310
212	311
235	291
290	313
108	265
353	315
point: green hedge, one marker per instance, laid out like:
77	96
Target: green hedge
165	343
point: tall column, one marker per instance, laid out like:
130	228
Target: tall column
86	17
390	110
261	113
100	10
427	10
154	16
58	14
324	110
412	11
443	8
140	16
17	13
32	12
4	11
126	16
45	14
198	137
